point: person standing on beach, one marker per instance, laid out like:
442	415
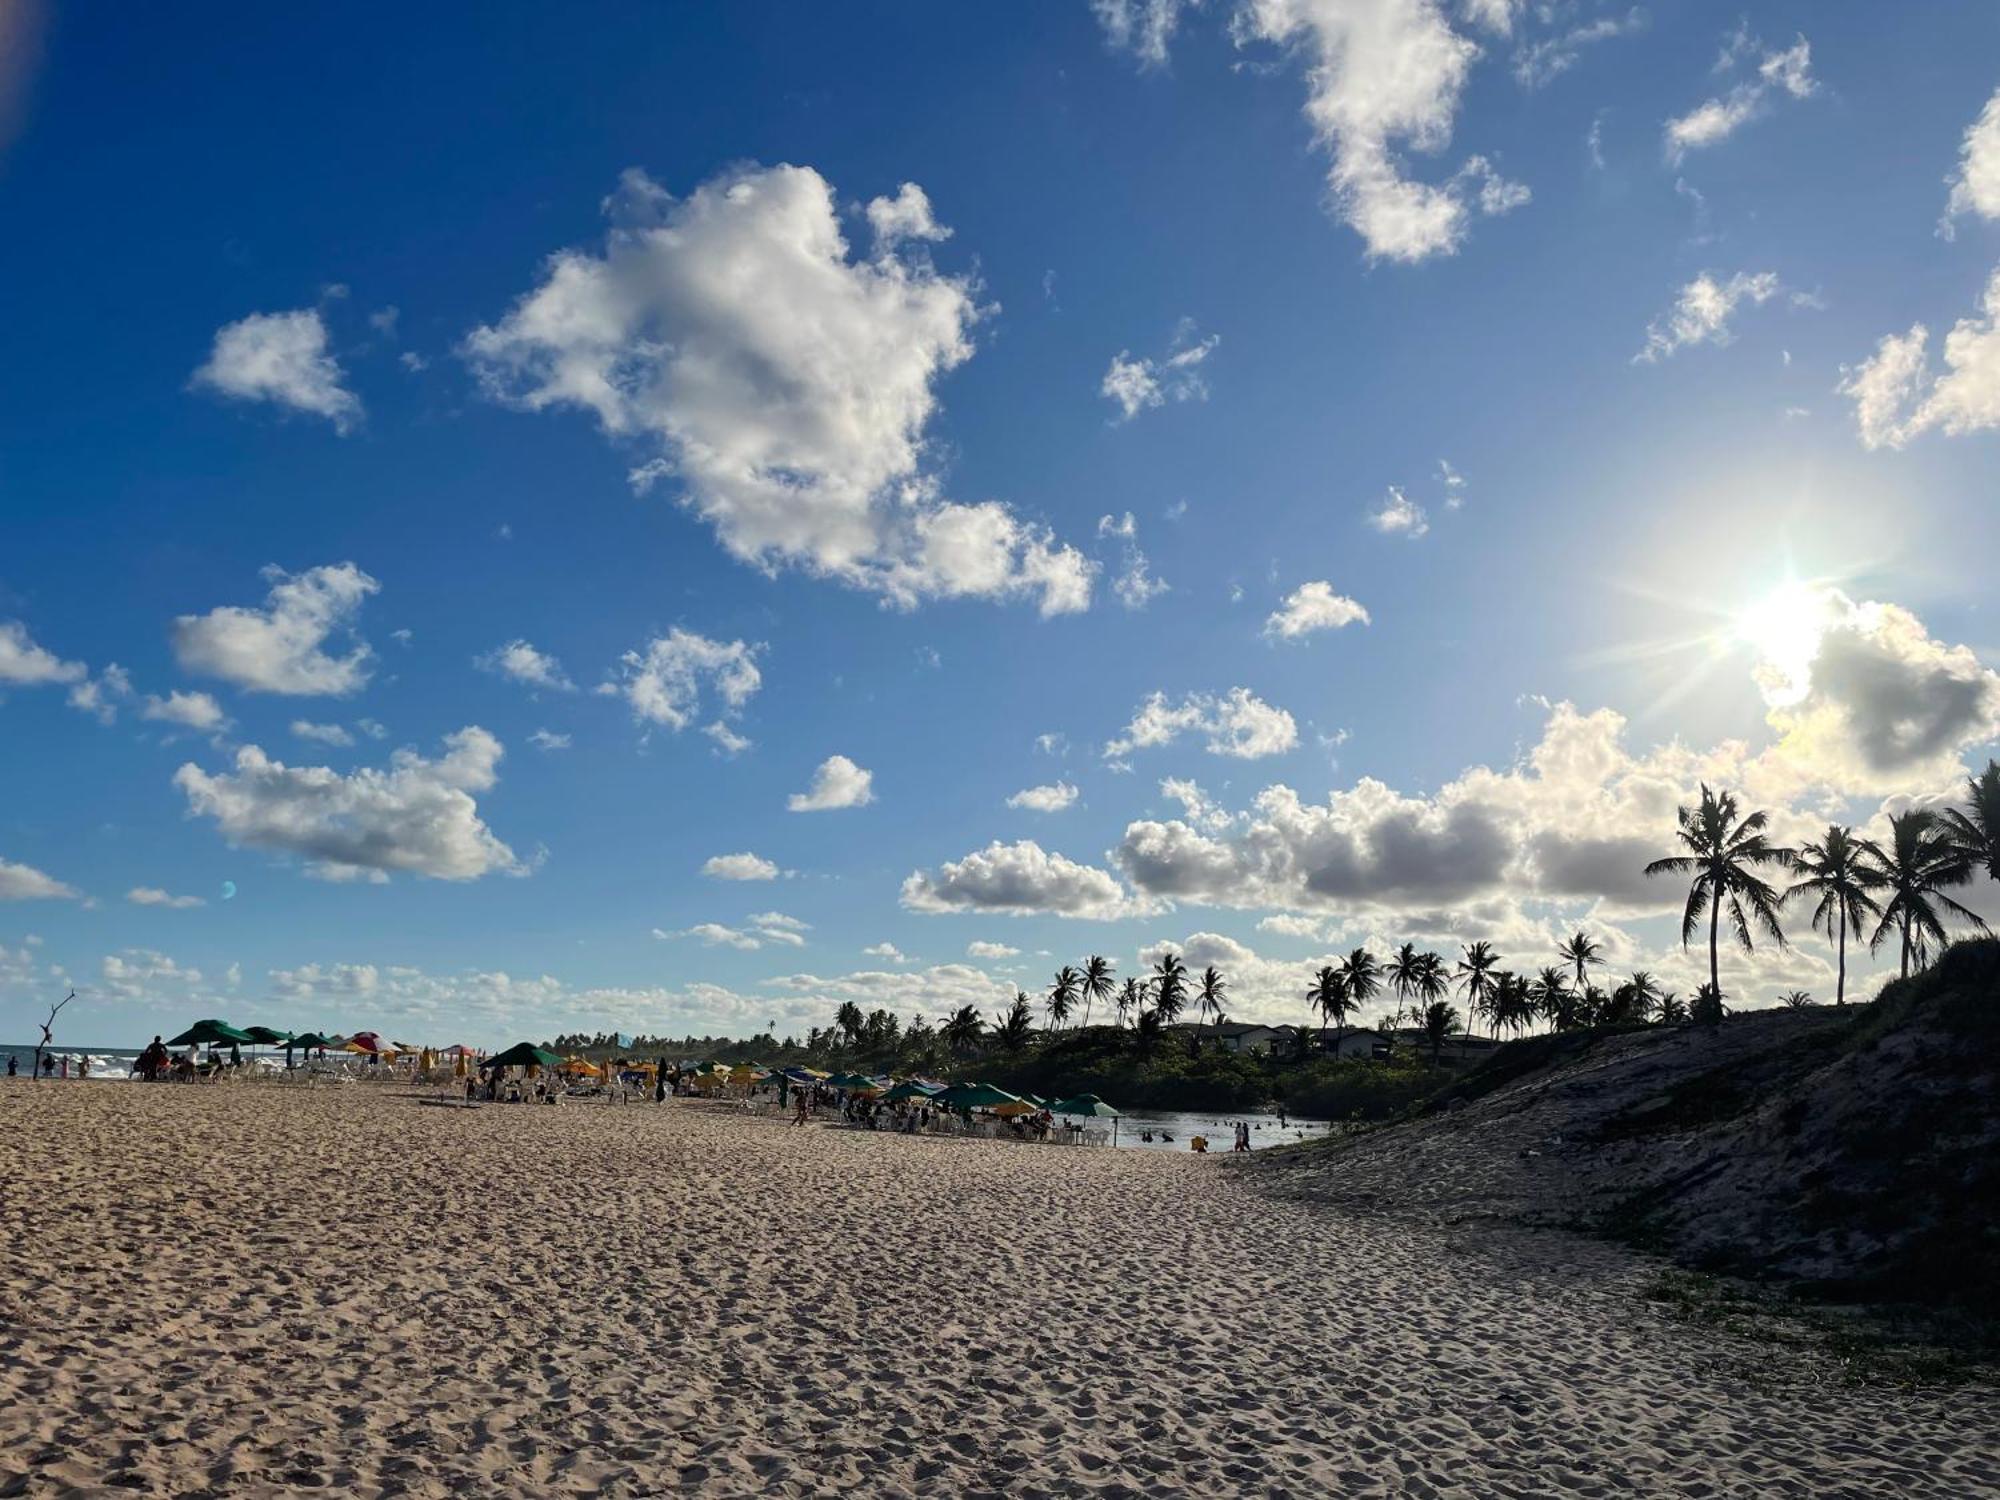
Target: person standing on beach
13	1065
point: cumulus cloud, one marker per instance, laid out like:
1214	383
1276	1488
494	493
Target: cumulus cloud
744	866
1787	74
148	895
1897	397
980	948
280	648
1382	75
416	817
189	710
520	662
1019	878
141	973
280	357
26	883
100	696
1310	607
322	734
766	929
1135	384
1975	187
1048	798
25	664
548	739
888	951
1701	313
838	783
1399	515
1135	586
665	683
787	385
1238	724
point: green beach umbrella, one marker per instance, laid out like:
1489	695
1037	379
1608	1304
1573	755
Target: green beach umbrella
312	1041
1085	1104
975	1096
209	1033
264	1036
910	1091
520	1055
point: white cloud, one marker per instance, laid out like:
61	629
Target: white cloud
1313	606
278	649
26	883
1048	799
1540	63
1133	384
788	385
547	739
1196	806
1135	585
1382	74
1020	878
141	973
887	951
727	740
1714	120
25	664
1399	515
739	867
1896	397
1702	311
280	357
980	948
664	682
147	895
838	783
189	710
522	663
763	930
100	696
417	817
907	216
1975	187
322	734
1144	28
1239	724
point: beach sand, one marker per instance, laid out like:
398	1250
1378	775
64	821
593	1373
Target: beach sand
249	1290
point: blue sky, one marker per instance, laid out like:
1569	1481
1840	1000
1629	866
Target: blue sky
1426	402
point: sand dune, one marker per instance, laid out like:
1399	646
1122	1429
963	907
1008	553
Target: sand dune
252	1291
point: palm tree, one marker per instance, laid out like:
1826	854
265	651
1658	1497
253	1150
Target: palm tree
1096	982
1707	1008
848	1019
1013	1030
1976	830
962	1030
1645	994
1062	996
1169	988
1671	1009
1552	998
1331	998
1433	983
1130	1000
1840	871
1401	972
1796	999
1581	952
1361	976
1208	1000
1440	1020
1724	851
1921	861
1475	976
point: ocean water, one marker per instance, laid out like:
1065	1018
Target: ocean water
1265	1131
117	1057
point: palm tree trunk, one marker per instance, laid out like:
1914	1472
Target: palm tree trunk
1714	923
1840	990
1906	945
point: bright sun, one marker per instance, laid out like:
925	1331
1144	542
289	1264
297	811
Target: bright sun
1784	628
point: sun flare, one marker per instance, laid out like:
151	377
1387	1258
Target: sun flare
1784	628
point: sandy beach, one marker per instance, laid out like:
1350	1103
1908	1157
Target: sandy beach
246	1290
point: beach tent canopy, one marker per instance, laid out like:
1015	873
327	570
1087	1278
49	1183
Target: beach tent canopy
1018	1107
209	1033
459	1049
264	1036
851	1081
910	1091
1085	1104
579	1065
364	1041
975	1096
520	1055
312	1040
